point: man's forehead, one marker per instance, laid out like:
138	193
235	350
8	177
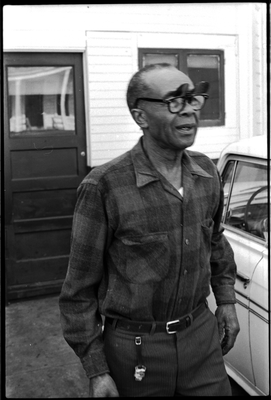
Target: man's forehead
164	81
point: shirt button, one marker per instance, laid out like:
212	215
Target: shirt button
187	241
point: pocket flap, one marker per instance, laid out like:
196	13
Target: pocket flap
145	239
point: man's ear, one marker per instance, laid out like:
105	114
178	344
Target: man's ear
140	117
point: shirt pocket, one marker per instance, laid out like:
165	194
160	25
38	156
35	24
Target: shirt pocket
145	259
205	242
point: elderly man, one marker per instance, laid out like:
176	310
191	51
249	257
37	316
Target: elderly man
146	245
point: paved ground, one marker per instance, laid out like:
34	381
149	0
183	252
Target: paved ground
39	363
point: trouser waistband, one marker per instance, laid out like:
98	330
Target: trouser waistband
155	327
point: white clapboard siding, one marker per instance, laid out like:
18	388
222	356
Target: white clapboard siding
259	81
109	69
105	111
116	137
105	60
109	77
106	94
112	129
114	145
211	141
103	86
107	103
122	128
110	120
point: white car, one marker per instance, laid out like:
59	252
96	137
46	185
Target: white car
243	168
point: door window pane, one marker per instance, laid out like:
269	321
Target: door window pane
206	68
40	99
247	209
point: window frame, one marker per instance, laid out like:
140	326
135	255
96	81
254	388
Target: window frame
237	159
182	66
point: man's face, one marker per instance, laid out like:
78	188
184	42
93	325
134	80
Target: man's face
169	131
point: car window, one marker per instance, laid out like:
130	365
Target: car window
246	209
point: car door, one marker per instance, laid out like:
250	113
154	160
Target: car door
245	181
259	324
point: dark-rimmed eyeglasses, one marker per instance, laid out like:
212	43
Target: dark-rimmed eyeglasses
196	98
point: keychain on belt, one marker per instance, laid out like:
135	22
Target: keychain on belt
140	369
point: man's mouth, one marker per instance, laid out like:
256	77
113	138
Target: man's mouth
185	127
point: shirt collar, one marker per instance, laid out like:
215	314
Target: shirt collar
145	171
193	167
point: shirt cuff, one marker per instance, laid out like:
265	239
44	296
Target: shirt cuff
224	294
95	364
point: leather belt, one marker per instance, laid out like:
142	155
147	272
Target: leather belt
154	327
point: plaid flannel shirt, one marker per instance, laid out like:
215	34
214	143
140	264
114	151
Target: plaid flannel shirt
141	251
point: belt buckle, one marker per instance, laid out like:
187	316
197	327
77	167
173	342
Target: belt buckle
170	323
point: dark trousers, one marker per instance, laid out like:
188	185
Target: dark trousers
188	363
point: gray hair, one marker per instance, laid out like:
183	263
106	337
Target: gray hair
137	86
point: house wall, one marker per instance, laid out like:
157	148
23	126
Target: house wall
109	37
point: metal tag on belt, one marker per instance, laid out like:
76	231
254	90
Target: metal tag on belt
139	372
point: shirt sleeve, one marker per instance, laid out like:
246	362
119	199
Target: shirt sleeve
223	266
81	323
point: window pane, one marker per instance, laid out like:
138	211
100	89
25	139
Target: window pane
40	99
207	68
248	203
153	58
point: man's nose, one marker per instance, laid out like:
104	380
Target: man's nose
187	109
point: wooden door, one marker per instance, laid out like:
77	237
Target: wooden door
45	147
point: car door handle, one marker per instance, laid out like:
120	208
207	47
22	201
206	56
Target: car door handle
243	278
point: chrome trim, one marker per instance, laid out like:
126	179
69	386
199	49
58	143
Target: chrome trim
259	316
251	301
253	311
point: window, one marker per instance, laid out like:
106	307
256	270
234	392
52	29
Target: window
40	99
245	206
199	65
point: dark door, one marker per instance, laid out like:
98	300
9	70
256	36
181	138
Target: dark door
45	146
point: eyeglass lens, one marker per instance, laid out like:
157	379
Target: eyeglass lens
177	104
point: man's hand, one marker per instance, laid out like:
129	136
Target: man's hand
228	326
102	386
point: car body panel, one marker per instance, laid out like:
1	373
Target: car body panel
248	362
241	245
256	146
259	324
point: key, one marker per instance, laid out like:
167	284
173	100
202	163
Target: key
139	372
